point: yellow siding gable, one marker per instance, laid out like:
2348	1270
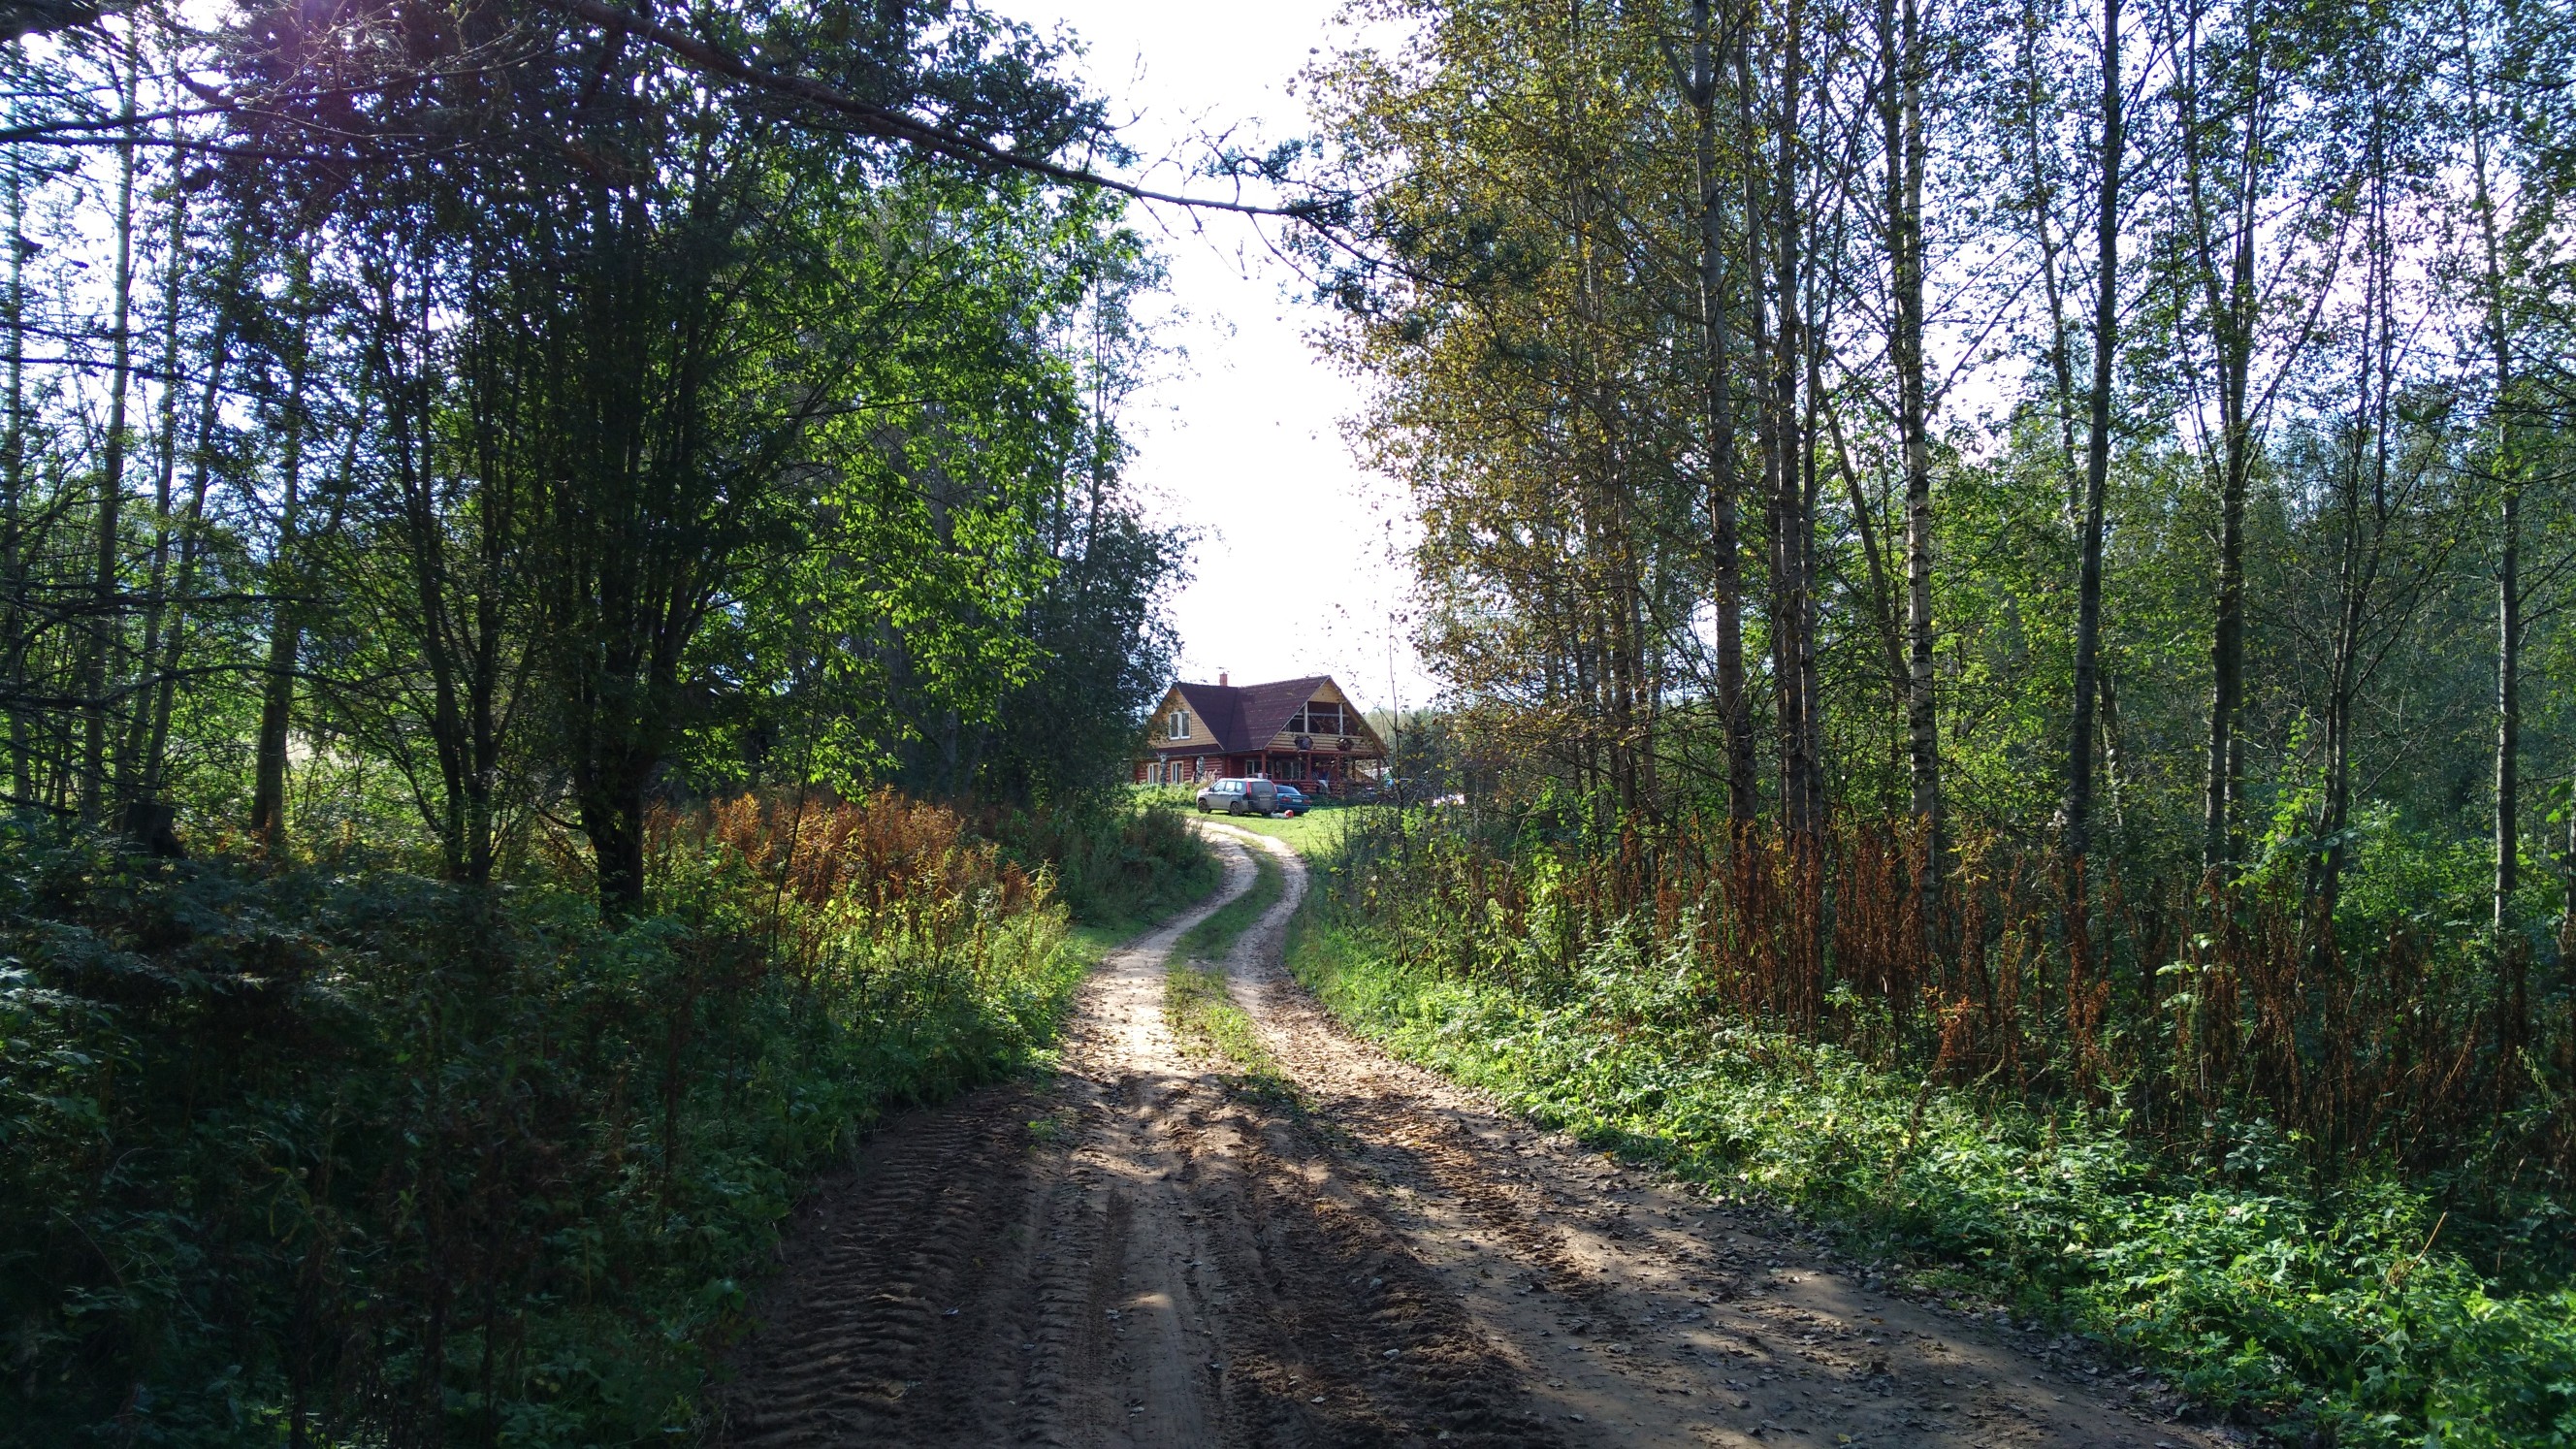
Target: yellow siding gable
1158	726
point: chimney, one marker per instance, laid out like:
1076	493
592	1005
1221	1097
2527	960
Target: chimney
1220	679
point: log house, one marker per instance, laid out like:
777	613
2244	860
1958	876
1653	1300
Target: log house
1303	732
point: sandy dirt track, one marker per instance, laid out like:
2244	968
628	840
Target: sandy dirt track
1132	1254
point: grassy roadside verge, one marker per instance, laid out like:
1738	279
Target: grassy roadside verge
266	1127
1157	880
1090	940
2331	1316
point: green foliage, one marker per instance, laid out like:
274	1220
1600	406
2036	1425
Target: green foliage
1114	863
365	1155
964	603
2333	1308
2336	1306
605	437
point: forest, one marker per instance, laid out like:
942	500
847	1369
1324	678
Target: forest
2003	574
573	622
569	633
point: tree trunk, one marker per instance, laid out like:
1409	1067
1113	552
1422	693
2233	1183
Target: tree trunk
13	477
144	773
2220	828
104	603
1901	115
612	816
2506	470
2232	303
2365	526
1726	544
192	530
2042	204
285	583
1793	616
1765	343
2097	458
191	535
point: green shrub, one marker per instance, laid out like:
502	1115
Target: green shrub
370	1158
1120	860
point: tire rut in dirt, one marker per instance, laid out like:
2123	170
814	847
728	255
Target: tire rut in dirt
1334	1306
893	1276
1417	1143
1049	1314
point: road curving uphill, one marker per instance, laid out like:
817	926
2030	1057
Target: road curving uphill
1140	1252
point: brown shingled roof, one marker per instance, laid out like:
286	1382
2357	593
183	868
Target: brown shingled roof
1244	717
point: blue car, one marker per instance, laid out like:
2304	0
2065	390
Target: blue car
1292	801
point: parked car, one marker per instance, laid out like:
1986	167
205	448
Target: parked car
1292	801
1240	797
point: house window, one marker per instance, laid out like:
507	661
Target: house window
1320	719
1178	726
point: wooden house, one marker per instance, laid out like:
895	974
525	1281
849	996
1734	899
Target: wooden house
1305	732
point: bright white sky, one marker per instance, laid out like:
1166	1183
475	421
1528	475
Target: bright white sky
1295	563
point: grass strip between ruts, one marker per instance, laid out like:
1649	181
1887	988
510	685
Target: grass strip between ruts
1212	938
1195	1000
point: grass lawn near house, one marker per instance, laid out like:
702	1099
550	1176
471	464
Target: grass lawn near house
1311	835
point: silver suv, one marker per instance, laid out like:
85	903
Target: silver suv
1240	797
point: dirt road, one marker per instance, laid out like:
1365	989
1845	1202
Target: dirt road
1131	1254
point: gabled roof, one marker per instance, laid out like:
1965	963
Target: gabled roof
1243	718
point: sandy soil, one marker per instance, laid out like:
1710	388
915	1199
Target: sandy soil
1131	1254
